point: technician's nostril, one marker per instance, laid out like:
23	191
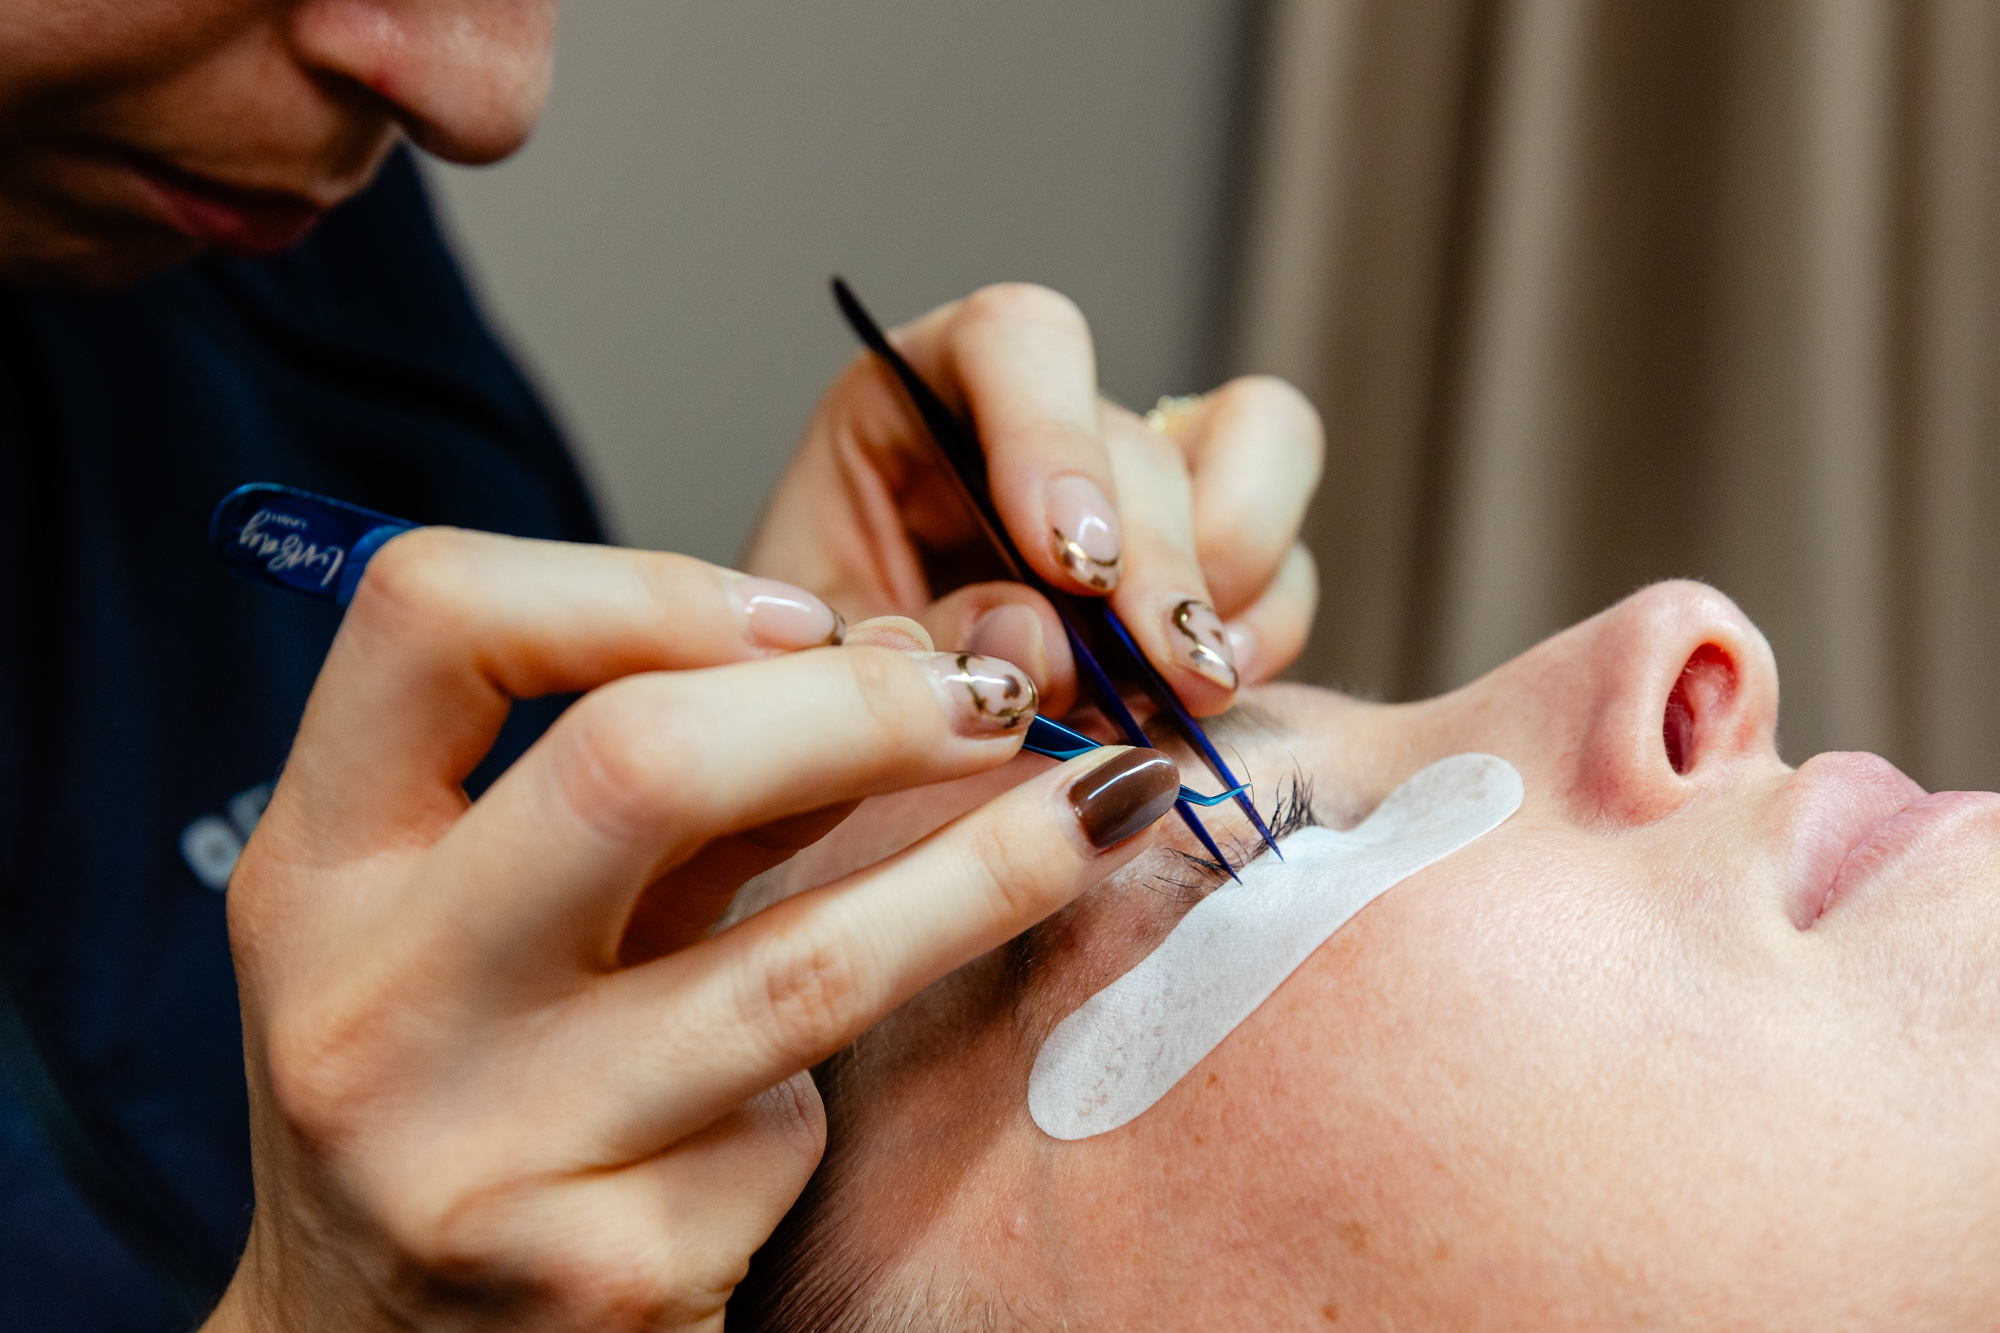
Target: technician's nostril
1677	728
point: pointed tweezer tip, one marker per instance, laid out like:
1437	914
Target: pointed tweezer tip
1207	841
1257	822
858	318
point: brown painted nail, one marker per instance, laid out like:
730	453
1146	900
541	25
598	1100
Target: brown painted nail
1201	643
987	696
1123	795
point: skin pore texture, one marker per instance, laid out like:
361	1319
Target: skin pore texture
136	133
1692	1040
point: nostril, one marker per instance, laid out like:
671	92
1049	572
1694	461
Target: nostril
1678	730
1706	681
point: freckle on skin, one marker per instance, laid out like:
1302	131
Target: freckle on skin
1331	1311
1353	1235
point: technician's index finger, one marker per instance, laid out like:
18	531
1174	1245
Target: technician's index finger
449	627
1020	359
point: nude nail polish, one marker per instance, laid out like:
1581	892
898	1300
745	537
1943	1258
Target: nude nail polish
987	697
1200	643
784	617
1123	795
1083	531
1242	650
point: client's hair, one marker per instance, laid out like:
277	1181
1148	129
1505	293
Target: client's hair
807	1277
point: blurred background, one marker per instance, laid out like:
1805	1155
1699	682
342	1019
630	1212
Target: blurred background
1589	292
659	253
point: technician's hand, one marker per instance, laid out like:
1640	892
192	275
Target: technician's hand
501	1074
1191	531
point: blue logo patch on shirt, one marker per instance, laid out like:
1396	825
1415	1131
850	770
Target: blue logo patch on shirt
211	844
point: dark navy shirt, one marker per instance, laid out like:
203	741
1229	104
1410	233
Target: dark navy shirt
147	698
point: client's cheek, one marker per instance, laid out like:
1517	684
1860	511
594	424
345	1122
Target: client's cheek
1102	936
1133	1042
921	1107
1329	1145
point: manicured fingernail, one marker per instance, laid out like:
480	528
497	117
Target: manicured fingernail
987	696
1084	531
1198	639
1242	651
1123	795
1012	634
780	615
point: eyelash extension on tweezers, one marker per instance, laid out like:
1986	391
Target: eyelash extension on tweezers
1087	621
1293	812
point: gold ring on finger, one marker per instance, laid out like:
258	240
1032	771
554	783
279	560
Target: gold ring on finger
1171	409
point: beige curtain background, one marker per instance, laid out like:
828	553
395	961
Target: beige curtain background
1596	293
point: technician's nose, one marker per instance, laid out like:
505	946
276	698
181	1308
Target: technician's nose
465	78
1654	700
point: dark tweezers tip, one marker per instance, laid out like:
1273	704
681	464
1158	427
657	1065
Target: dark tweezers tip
1207	841
946	429
858	317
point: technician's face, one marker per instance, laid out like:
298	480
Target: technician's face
135	133
1707	1047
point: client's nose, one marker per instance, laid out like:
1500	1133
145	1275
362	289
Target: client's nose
1657	698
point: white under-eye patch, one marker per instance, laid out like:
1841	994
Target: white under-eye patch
1132	1041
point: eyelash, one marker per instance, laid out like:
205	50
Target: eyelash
1293	812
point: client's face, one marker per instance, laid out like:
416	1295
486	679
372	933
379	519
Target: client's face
1693	1040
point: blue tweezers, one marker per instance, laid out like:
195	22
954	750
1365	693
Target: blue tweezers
1094	630
1059	742
318	545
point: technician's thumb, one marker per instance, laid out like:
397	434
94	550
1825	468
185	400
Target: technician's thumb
1015	624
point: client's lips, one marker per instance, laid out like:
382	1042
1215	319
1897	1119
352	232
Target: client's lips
230	218
1847	804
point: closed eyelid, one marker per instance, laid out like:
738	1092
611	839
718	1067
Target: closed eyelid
1041	954
1042	964
1294	810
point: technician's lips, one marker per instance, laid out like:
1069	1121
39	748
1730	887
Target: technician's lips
1843	803
228	218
